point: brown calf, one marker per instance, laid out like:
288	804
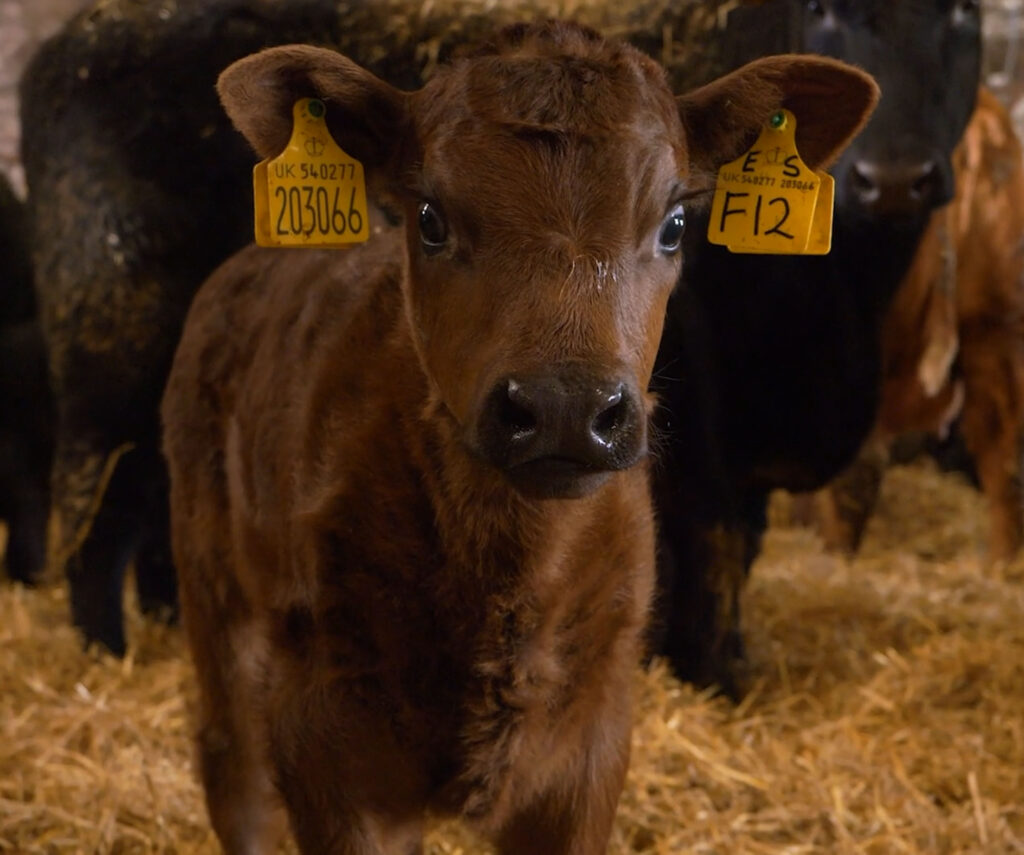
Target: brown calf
410	510
954	338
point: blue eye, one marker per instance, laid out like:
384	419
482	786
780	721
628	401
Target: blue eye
670	238
433	228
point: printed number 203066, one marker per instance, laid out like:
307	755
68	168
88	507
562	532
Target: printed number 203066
306	209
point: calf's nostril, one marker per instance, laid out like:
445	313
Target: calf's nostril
612	418
514	411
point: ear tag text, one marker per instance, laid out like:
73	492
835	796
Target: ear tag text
313	194
769	201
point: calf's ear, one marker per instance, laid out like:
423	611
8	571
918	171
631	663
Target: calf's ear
830	99
364	114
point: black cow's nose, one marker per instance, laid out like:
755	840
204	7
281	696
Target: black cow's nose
898	189
562	426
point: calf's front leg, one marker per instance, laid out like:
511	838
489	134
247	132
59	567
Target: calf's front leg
574	814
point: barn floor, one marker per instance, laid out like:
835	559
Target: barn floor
886	716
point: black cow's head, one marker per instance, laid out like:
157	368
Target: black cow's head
926	57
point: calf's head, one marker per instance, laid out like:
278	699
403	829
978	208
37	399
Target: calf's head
542	182
926	57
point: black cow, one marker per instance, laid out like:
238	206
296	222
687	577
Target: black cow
139	186
769	372
25	407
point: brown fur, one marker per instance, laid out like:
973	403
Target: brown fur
954	335
381	624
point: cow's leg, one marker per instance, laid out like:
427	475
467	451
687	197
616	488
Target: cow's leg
704	540
26	535
26	450
348	785
240	797
993	418
702	569
845	506
155	579
131	522
96	571
154	573
115	534
574	814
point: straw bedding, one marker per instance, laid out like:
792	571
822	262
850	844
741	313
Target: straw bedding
886	713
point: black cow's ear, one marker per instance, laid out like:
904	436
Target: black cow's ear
830	99
365	115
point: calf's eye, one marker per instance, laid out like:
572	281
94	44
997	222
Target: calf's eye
433	228
670	237
815	7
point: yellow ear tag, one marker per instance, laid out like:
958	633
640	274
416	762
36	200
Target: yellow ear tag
769	201
820	241
312	194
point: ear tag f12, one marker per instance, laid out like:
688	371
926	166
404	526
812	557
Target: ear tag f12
312	194
769	201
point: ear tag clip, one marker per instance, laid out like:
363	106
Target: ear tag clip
769	201
313	194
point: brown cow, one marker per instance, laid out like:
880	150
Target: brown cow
410	510
954	339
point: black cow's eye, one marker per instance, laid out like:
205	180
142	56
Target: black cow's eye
433	228
670	237
815	7
968	7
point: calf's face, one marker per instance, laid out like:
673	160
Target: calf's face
542	185
544	238
926	57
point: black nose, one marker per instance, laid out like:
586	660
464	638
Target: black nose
898	189
563	426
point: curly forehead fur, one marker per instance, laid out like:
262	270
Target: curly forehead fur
554	76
